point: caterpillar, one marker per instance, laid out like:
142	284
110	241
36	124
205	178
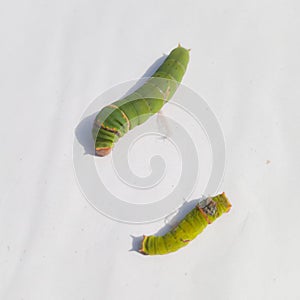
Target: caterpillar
116	119
205	212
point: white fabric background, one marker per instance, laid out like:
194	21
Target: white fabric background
57	56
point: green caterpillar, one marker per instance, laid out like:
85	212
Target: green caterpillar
194	223
114	120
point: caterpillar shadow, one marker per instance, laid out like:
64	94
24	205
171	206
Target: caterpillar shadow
83	131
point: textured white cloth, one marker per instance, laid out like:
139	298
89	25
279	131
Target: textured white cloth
57	56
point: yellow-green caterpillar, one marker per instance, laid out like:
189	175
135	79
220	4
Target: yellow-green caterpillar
114	120
205	212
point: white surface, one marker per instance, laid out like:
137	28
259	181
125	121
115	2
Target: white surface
57	56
